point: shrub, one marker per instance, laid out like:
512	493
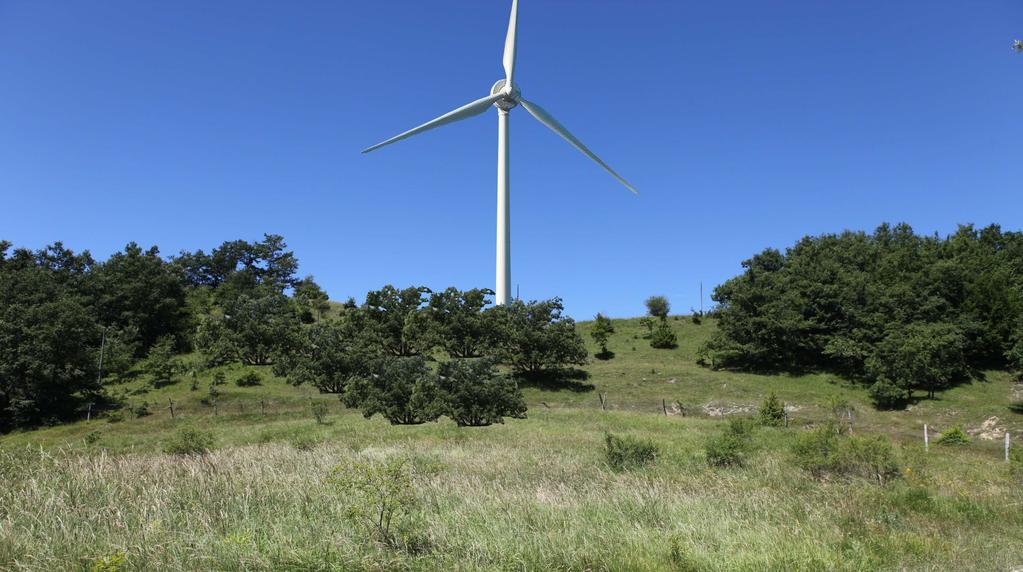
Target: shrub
732	447
92	437
472	394
189	441
115	562
377	493
141	410
249	379
663	337
954	436
626	452
319	410
697	318
772	412
824	452
304	442
658	307
114	416
887	395
647	323
403	390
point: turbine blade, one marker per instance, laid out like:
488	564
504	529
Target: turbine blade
509	43
547	119
466	111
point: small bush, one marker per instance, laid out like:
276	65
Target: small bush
189	441
115	562
772	412
625	452
141	410
658	307
304	442
250	379
92	437
663	337
954	436
887	395
114	416
378	494
319	411
732	447
824	452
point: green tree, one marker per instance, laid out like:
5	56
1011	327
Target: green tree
396	321
658	307
601	332
160	364
472	394
403	390
49	340
313	302
459	324
535	339
919	356
327	355
138	291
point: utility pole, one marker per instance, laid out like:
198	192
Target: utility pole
701	298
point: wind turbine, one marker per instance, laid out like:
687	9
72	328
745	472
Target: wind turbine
505	96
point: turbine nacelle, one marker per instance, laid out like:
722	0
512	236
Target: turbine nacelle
511	95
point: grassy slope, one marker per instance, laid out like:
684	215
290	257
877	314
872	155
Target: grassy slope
529	494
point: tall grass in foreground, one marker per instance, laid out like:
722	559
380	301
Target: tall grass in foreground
532	494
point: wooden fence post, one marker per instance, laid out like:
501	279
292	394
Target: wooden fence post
88	415
170	405
927	442
603	401
1006	446
262	407
664	406
216	410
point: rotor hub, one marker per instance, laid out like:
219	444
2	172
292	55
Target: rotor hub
508	102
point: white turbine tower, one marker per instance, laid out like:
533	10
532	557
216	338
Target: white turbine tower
505	95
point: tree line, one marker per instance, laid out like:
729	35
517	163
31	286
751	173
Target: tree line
896	310
71	327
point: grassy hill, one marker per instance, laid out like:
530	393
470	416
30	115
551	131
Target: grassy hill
530	494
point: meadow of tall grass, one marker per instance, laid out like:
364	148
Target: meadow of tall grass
533	494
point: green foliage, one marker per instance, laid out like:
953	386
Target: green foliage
459	324
954	436
395	322
49	339
249	379
824	452
772	412
663	337
160	364
658	307
601	332
313	303
138	291
377	495
623	452
116	562
535	339
326	355
304	442
319	410
403	390
899	310
887	395
731	447
924	356
472	394
647	323
189	441
141	410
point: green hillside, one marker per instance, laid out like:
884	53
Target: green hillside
529	494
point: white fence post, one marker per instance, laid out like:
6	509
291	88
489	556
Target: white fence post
927	443
1006	446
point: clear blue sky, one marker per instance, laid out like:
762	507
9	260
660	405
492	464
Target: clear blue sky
744	124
